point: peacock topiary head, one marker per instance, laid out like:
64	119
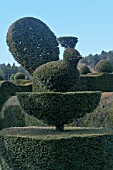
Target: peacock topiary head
71	56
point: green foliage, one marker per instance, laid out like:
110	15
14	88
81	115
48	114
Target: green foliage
12	115
57	76
12	77
32	43
80	152
104	66
1	78
102	116
95	82
19	76
84	70
57	108
68	41
7	89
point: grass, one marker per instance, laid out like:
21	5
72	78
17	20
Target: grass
51	133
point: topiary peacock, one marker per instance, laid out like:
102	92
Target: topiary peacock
58	76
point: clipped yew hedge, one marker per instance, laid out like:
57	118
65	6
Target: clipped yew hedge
58	108
58	76
32	43
94	82
80	152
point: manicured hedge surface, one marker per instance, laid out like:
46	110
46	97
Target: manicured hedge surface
12	115
104	66
7	89
57	108
58	76
94	82
32	43
80	152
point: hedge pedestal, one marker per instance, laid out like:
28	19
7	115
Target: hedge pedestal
48	149
58	108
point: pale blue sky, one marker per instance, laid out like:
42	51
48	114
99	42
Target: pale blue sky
89	20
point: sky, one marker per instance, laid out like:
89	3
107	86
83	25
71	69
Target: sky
89	20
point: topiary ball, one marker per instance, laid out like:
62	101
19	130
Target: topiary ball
32	43
19	76
1	78
84	70
104	66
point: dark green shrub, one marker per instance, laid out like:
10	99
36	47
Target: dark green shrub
57	152
12	115
58	76
104	66
7	89
84	70
1	78
32	43
95	82
57	108
68	41
19	76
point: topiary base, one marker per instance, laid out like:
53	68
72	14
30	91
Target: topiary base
46	149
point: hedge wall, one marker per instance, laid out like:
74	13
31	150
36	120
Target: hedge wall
80	152
94	82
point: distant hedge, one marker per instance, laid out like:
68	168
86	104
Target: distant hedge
80	152
84	70
12	115
7	89
104	66
94	82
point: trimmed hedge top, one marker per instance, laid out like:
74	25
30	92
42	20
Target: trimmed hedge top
58	108
32	43
104	66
